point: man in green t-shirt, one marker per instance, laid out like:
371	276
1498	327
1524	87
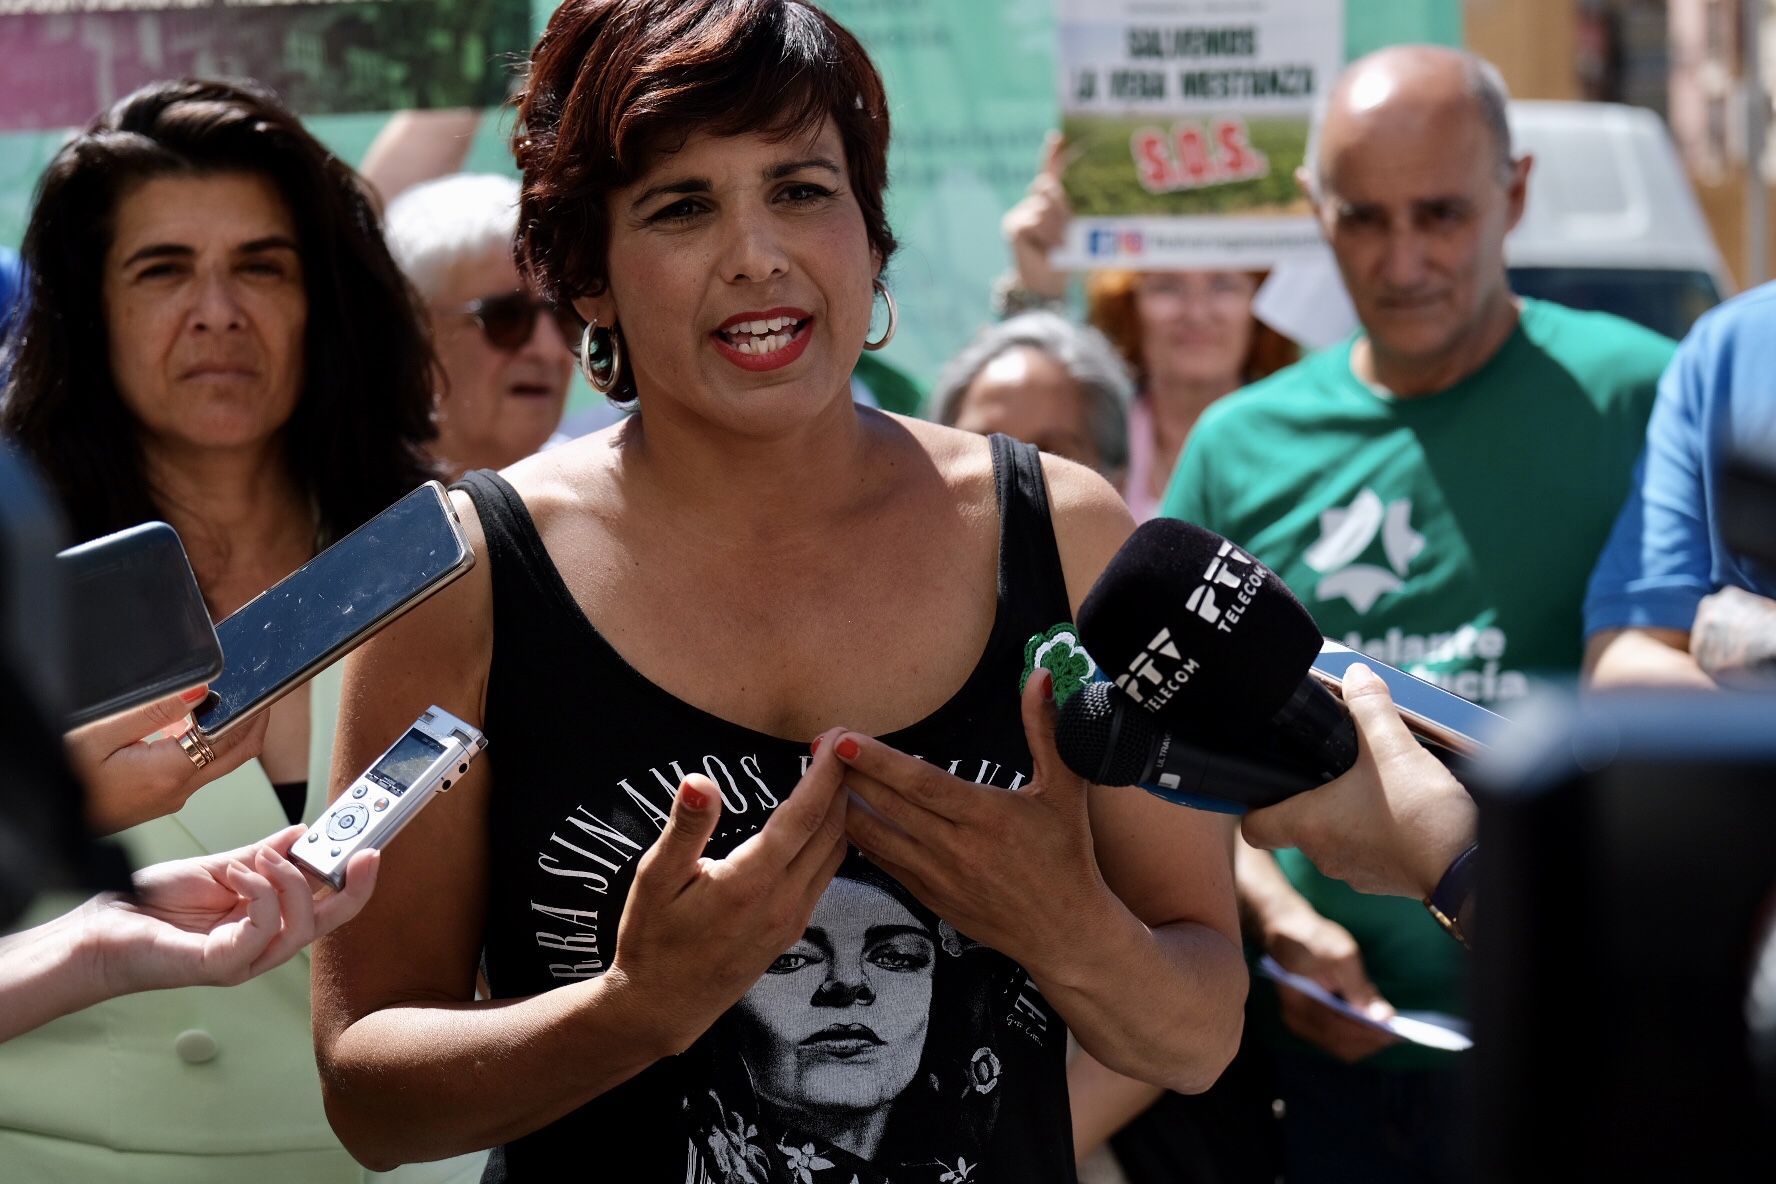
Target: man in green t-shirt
1435	490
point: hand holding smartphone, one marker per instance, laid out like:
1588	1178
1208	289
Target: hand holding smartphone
130	780
331	605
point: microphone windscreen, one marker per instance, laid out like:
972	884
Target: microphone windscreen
1098	746
1196	630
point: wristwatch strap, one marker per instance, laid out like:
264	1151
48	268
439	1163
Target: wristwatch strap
1446	900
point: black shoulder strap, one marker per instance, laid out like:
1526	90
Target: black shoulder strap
520	564
1030	571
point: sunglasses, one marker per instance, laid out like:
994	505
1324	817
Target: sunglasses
508	320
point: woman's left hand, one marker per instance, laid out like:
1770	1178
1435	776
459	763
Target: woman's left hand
130	780
979	855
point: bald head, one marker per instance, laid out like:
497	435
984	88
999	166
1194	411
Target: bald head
1405	94
1415	190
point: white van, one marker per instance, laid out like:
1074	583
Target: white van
1612	222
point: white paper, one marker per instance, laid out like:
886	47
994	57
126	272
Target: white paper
1304	299
1430	1028
1187	120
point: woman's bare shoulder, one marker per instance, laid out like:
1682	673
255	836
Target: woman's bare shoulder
570	478
964	459
1090	518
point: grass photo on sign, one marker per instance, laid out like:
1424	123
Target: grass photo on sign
1104	179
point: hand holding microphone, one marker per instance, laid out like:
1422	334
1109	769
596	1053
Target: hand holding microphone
1219	702
1219	697
1390	825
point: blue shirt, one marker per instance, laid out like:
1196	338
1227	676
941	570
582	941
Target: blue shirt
1717	397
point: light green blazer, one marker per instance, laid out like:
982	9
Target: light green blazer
191	1085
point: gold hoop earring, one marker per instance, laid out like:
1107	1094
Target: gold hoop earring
893	316
610	359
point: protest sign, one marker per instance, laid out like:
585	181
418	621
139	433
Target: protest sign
1185	122
67	59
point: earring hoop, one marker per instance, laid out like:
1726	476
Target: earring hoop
611	351
893	316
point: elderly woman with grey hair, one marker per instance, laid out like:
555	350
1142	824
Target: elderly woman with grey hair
503	355
1044	380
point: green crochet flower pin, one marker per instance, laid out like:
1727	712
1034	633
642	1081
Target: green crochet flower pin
1059	652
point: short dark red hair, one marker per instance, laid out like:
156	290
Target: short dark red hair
611	80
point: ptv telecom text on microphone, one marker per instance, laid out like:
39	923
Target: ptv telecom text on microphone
1218	695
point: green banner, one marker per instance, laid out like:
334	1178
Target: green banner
66	59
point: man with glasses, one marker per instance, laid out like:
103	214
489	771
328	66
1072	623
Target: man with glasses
504	356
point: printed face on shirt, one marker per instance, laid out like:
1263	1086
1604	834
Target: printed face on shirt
839	1021
1415	205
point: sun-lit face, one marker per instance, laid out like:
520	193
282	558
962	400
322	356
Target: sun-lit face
1029	396
1196	326
740	275
838	1022
495	405
1416	212
205	309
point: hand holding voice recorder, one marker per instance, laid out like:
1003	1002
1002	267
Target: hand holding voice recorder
429	757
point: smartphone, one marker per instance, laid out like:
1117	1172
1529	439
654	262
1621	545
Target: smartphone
426	760
138	624
1432	713
332	604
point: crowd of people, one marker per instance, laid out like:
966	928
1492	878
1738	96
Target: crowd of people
768	875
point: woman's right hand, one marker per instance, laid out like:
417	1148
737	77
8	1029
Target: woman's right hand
1038	224
697	932
219	920
130	780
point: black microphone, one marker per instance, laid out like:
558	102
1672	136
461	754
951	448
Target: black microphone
1207	641
1105	738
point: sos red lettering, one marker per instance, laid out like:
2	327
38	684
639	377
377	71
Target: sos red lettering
1196	154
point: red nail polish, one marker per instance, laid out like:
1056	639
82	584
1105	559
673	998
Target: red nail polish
1048	684
848	749
815	747
194	695
693	797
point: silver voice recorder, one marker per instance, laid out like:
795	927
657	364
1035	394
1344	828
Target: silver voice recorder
431	756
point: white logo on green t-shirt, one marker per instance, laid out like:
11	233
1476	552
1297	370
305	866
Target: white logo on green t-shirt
1346	533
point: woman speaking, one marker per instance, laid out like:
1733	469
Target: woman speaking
749	640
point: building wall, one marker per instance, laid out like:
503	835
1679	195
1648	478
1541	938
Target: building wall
1534	43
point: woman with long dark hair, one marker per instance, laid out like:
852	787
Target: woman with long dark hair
716	645
215	336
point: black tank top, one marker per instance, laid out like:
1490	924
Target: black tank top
885	1045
